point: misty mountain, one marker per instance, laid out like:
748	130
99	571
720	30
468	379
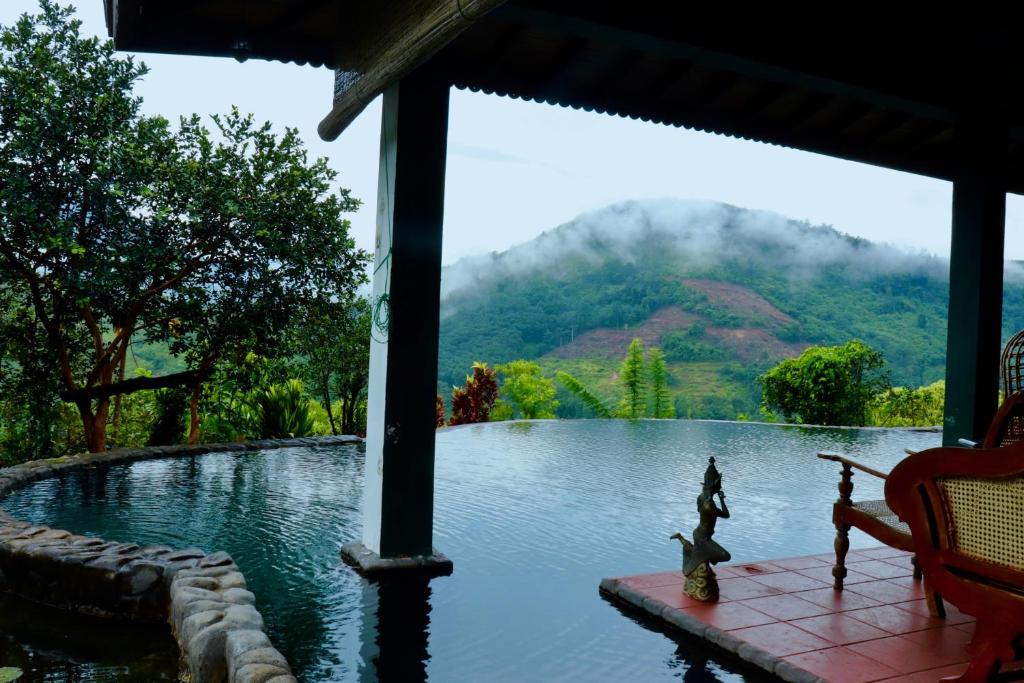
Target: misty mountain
726	292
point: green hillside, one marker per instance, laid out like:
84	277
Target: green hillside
725	292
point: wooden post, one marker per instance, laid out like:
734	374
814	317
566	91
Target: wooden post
975	279
399	489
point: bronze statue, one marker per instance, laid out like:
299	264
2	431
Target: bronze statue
698	556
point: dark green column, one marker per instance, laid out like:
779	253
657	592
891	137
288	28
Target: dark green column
975	279
399	492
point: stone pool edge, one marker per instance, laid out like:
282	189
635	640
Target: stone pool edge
202	596
619	591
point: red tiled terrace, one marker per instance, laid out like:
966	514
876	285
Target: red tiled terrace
784	617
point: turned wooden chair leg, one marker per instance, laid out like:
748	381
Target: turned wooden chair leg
842	546
842	543
936	607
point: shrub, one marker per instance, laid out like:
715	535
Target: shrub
284	411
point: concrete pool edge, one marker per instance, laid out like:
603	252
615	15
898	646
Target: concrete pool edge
202	596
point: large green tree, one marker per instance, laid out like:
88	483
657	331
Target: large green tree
827	385
117	227
531	393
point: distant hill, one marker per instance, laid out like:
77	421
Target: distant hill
725	292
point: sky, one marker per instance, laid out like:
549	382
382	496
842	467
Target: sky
517	168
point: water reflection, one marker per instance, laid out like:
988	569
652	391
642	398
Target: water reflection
395	630
535	515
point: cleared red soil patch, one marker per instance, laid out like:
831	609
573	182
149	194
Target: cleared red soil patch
751	343
609	343
740	300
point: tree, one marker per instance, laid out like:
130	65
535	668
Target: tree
831	385
334	338
661	398
531	393
634	381
474	401
906	407
115	227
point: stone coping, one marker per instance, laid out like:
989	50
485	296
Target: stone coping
202	596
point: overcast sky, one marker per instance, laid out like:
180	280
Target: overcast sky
518	168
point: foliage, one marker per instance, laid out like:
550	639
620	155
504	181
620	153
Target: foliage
334	339
530	393
827	385
632	374
684	347
592	402
474	401
169	426
907	407
439	410
661	398
117	227
284	411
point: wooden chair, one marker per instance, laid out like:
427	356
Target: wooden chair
875	518
965	510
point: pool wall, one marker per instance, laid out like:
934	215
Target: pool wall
202	596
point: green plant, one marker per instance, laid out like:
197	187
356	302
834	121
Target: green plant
661	398
169	426
284	411
596	405
527	391
634	381
830	385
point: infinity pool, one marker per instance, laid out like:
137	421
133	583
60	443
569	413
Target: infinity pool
534	515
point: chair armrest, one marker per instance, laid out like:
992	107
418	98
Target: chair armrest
836	457
967	443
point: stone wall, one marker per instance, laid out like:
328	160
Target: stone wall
203	596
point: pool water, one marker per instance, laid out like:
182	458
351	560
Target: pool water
534	515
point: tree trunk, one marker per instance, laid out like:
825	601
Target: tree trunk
118	399
193	430
94	425
326	391
348	419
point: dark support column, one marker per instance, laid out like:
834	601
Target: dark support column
975	280
399	490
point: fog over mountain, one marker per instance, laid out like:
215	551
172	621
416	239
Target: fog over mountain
707	234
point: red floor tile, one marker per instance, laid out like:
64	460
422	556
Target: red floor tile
659	579
886	592
728	615
672	596
953	615
880	569
894	620
801	563
883	553
781	639
790	582
837	601
743	589
841	665
786	607
757	568
839	629
929	675
825	574
907	656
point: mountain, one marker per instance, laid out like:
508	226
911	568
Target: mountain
725	292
